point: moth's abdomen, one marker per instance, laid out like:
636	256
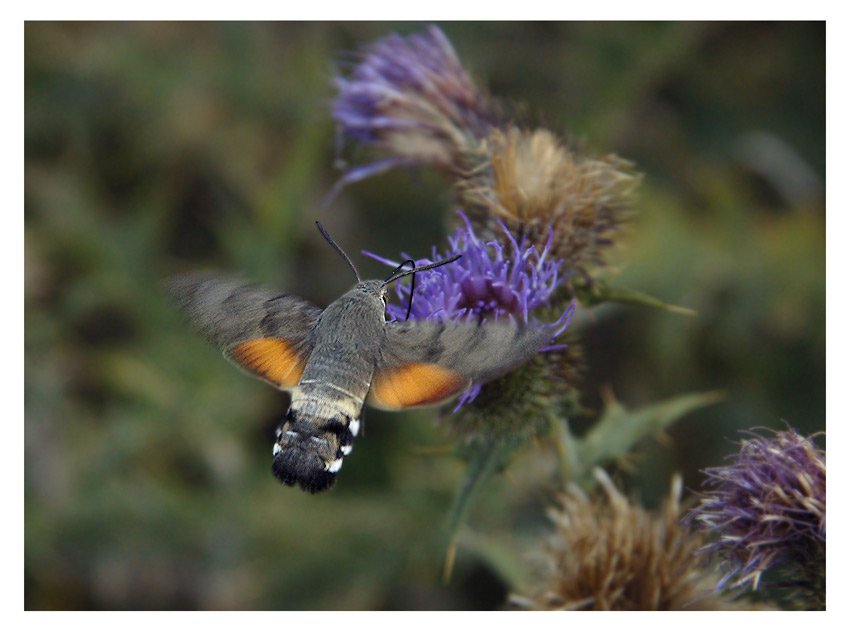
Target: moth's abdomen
316	434
300	464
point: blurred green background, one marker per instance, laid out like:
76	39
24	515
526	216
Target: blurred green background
153	148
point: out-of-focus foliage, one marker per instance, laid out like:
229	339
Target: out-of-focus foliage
153	148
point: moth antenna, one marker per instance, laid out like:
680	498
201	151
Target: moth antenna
410	298
430	266
398	268
412	282
336	247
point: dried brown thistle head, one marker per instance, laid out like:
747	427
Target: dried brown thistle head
533	184
610	554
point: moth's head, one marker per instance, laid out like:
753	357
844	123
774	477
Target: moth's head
376	290
401	271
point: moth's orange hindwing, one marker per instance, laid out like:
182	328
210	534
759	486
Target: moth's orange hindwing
414	384
272	359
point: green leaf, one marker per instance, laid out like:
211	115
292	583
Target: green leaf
619	429
599	292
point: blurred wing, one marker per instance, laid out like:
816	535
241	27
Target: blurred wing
269	335
425	362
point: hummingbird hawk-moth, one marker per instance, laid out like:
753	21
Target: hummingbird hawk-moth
335	360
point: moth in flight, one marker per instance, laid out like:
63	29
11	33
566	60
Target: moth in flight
335	360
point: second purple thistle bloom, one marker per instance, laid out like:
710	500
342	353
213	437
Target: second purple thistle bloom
411	98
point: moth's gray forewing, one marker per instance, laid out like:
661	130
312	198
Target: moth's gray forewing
263	332
424	362
477	351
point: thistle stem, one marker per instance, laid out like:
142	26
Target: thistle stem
566	448
483	463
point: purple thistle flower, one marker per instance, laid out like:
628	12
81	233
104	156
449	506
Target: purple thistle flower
411	98
489	281
768	506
